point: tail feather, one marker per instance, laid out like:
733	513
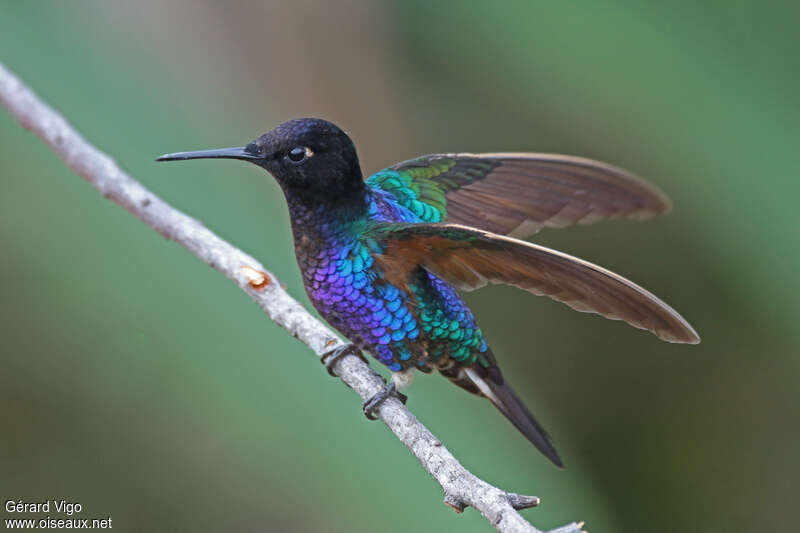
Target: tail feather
493	386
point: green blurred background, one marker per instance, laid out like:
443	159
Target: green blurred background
142	384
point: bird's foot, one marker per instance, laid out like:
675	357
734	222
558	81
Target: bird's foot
373	403
329	358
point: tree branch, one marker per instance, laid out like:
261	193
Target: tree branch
461	487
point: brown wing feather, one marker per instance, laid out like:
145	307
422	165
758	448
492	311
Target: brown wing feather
525	192
468	259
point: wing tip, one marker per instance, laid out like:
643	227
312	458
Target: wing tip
684	336
680	332
693	338
658	203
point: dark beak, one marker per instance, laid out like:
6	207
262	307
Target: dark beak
221	153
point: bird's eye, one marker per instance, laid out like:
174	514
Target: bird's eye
298	153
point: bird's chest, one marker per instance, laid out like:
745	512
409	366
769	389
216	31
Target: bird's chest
348	289
337	271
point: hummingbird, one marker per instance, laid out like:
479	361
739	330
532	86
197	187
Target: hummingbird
383	258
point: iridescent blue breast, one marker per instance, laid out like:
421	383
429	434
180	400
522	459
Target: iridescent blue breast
350	293
420	323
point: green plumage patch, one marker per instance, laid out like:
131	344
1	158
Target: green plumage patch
421	185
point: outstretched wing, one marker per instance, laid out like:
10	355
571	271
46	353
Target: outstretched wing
468	259
518	194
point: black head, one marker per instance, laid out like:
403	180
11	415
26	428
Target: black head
310	157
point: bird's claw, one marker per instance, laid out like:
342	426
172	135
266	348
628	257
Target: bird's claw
329	358
380	397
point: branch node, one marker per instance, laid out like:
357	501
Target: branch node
456	503
258	279
521	501
574	527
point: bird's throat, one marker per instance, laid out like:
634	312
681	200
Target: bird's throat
320	223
